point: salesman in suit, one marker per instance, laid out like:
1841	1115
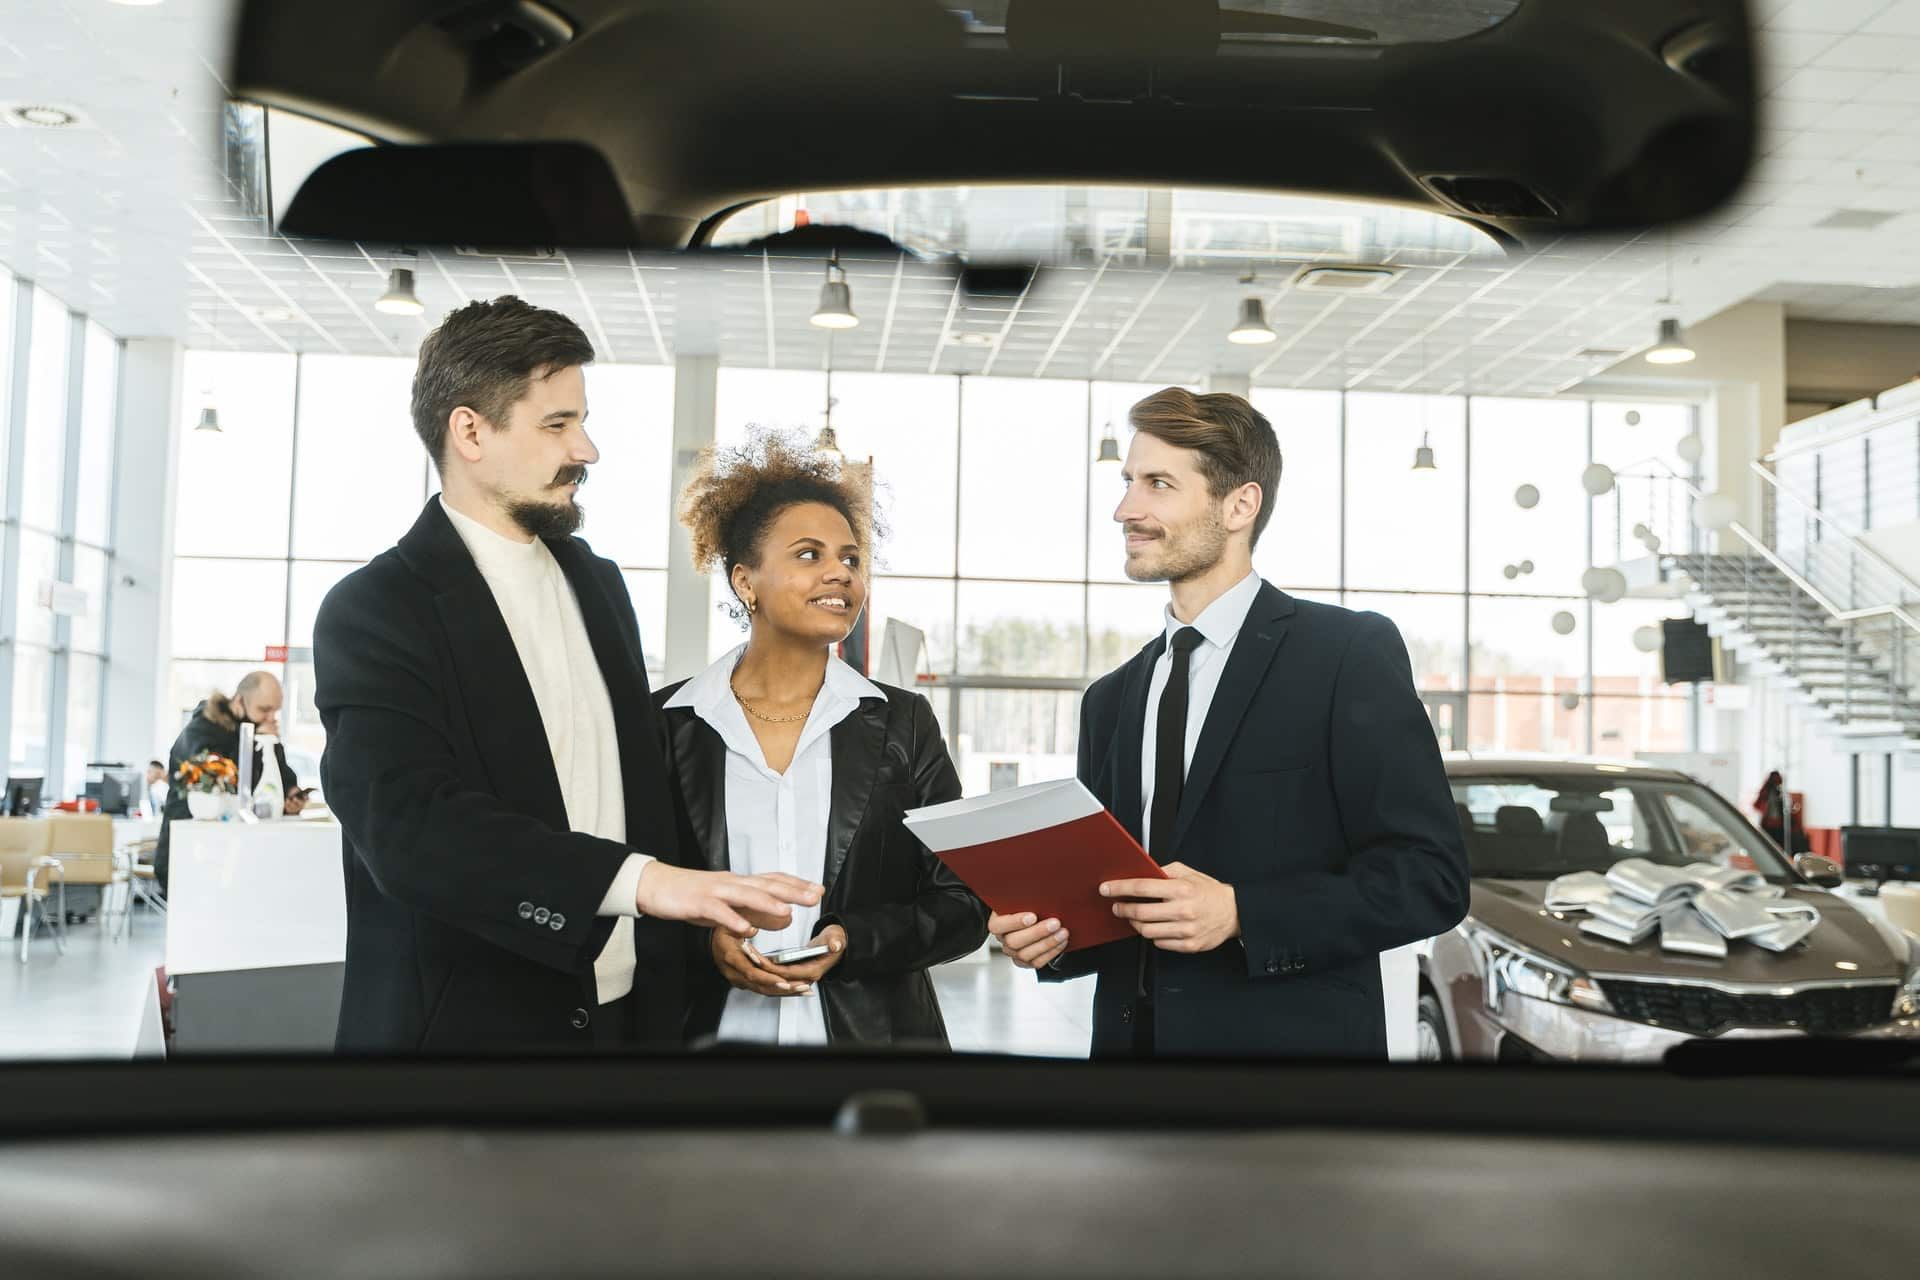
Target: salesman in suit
493	755
1273	756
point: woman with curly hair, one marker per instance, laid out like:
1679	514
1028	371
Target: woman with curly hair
787	759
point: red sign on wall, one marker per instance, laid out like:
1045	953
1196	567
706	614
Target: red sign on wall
276	653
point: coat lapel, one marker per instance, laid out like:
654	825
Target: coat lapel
1253	649
1133	722
856	742
505	719
700	768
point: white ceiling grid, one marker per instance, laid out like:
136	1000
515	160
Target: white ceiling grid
127	218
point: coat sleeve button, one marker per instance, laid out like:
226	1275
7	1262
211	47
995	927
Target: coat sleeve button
540	915
526	911
556	922
580	1019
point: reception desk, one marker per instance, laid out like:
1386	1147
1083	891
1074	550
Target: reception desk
256	936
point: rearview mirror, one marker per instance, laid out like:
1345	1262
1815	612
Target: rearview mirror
1817	870
1579	802
1520	120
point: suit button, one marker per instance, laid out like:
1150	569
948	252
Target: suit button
556	922
580	1019
1126	1013
526	911
1273	966
540	915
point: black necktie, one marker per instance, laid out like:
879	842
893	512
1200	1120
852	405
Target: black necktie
1170	745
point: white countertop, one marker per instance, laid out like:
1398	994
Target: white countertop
255	896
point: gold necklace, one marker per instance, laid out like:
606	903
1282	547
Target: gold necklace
758	714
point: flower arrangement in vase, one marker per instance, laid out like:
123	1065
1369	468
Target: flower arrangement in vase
211	782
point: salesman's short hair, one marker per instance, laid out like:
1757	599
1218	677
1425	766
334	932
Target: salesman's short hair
1235	441
483	356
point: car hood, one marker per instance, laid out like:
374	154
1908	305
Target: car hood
1517	909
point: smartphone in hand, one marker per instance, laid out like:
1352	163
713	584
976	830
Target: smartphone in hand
796	955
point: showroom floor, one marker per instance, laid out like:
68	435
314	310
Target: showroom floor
84	1004
87	1003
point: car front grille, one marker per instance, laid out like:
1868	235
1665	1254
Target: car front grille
1704	1011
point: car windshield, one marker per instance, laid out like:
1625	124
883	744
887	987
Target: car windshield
1521	827
1050	528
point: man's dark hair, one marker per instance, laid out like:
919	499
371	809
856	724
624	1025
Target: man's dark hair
483	356
1235	441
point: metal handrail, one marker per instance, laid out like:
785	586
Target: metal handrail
1850	540
1767	553
1874	419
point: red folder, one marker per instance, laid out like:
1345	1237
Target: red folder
1045	848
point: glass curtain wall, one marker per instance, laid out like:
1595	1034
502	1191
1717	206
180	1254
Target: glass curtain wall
316	469
59	383
1022	604
1001	548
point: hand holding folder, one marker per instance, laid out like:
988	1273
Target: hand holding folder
1045	849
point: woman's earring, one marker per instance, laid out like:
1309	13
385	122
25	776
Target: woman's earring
751	606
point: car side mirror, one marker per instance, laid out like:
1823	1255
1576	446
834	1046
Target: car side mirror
1818	870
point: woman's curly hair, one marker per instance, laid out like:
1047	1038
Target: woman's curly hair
739	490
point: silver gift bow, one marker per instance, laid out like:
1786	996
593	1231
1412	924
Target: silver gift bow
1698	910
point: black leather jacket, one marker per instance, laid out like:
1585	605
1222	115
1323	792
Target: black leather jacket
902	909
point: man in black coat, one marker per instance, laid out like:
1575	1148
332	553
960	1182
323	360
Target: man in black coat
215	726
1273	756
493	754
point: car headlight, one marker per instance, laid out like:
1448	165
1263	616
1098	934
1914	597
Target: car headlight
1507	966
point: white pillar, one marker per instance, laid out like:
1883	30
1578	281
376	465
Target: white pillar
696	381
1742	421
135	726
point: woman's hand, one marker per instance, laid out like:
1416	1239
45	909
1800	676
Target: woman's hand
833	937
742	965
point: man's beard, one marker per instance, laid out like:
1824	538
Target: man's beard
1185	554
560	519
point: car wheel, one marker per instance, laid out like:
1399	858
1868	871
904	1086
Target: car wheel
1431	1042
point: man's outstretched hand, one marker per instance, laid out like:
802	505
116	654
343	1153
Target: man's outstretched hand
721	899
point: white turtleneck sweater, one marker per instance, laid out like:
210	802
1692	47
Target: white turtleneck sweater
550	635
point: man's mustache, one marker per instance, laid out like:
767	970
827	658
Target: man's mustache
1141	530
569	475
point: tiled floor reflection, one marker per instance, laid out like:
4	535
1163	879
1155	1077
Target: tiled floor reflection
84	1004
992	1007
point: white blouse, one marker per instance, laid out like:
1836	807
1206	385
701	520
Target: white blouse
777	822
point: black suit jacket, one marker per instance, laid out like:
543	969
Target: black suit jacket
1317	792
902	909
470	904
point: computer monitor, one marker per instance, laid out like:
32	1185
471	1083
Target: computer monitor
1881	853
23	796
119	789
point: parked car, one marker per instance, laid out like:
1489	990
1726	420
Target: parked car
1529	976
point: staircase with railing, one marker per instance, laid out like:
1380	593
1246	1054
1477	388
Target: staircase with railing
1804	600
